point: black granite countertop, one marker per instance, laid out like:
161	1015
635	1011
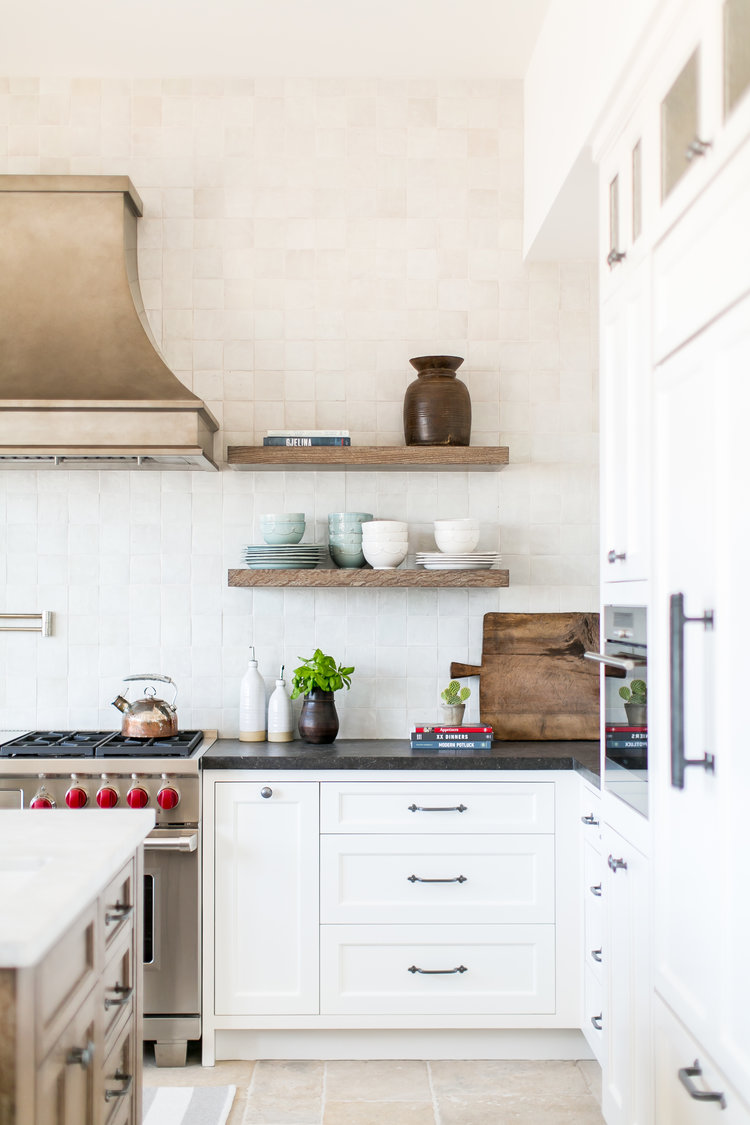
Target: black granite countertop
395	754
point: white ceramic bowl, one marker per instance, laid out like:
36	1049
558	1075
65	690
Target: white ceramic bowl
385	527
384	557
456	542
457	525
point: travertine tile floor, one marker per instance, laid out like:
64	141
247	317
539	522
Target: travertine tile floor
399	1093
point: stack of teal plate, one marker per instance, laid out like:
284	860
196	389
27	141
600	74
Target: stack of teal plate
300	556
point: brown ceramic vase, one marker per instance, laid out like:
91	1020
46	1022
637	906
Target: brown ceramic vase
437	406
318	721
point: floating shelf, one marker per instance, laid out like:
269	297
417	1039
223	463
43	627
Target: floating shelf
352	579
398	458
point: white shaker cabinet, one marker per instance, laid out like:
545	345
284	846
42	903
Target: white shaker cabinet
266	897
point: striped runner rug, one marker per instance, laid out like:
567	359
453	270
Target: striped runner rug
187	1105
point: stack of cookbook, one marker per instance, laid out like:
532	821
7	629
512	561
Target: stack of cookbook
431	738
307	438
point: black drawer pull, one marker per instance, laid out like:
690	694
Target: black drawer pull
122	997
438	808
590	819
597	890
419	879
118	912
596	954
686	1074
616	865
437	972
118	1076
597	1022
81	1056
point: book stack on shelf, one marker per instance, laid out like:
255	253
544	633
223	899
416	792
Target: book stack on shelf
628	745
306	438
427	738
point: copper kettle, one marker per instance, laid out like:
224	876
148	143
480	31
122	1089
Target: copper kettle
148	717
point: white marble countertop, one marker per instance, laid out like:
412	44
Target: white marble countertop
52	865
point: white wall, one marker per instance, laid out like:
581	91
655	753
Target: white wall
301	240
580	53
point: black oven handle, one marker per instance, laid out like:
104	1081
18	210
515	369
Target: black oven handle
172	843
623	663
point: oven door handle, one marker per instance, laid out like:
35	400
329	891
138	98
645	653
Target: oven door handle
172	843
621	662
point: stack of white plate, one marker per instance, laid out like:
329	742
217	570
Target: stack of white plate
472	560
299	556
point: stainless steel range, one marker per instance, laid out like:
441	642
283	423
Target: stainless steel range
88	769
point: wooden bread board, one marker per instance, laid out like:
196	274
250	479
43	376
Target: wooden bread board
533	680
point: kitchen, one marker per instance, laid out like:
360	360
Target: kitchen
302	238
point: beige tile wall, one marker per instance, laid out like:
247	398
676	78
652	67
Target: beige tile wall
301	240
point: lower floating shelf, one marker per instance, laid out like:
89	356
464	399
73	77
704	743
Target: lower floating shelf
317	579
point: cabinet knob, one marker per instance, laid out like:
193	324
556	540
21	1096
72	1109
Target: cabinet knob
613	555
266	791
696	148
81	1056
615	257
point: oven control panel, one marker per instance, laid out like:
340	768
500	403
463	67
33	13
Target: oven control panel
174	799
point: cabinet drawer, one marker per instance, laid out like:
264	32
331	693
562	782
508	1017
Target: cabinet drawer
592	1010
67	1081
432	807
118	903
64	977
464	969
675	1049
494	879
118	983
119	1077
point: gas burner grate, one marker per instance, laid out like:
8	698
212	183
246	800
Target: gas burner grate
100	744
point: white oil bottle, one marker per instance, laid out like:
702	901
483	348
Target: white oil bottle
252	703
280	719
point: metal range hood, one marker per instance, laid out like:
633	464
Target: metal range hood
82	382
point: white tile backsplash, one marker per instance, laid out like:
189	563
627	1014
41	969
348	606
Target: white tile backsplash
302	239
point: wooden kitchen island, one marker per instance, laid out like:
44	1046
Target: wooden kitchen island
70	967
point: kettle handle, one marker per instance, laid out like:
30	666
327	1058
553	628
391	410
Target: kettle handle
156	676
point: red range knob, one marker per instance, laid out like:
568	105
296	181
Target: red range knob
76	798
107	797
137	797
41	802
168	797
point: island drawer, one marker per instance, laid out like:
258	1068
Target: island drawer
119	1077
423	970
118	983
437	807
493	879
118	903
65	976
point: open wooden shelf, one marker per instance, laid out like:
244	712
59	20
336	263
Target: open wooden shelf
398	458
352	579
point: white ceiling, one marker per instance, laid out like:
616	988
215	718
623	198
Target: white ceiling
337	38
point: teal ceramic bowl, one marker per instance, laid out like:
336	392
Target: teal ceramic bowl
348	519
347	558
282	528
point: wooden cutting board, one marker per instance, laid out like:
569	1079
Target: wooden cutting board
533	680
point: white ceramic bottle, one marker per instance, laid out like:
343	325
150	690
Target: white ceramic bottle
252	703
280	718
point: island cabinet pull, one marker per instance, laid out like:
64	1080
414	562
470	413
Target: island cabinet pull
419	879
119	912
686	1074
118	1076
437	972
438	808
122	997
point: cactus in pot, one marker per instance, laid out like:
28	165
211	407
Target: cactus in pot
454	701
635	695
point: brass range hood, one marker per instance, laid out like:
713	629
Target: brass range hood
82	382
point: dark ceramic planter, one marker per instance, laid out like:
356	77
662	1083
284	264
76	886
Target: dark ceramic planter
318	721
437	406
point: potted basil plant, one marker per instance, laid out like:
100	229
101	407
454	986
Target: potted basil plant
317	678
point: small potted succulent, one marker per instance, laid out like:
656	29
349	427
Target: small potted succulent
317	678
634	695
454	701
